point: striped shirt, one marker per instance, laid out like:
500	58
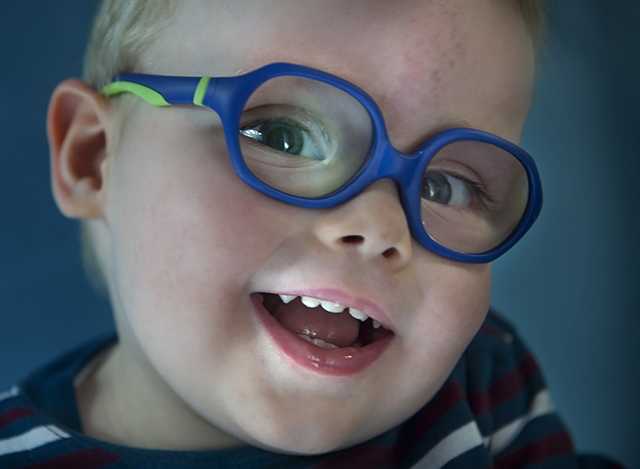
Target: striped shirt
494	411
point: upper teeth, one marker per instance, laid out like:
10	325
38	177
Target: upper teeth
329	306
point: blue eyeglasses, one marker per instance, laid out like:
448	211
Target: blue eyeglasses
313	140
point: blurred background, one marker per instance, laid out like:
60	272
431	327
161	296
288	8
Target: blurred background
571	286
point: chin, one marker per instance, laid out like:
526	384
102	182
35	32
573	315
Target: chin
310	440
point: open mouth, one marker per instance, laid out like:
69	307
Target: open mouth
331	340
324	324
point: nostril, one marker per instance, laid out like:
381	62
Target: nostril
353	239
391	252
357	239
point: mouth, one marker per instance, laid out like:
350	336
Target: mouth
327	324
320	335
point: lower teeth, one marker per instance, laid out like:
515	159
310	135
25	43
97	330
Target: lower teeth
326	345
318	342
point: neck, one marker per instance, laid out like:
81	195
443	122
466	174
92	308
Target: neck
126	403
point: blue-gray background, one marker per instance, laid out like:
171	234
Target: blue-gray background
571	286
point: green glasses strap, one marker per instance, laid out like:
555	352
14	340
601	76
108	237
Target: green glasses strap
152	96
201	89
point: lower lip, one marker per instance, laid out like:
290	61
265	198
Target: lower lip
344	361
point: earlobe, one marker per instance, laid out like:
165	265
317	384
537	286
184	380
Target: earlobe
77	129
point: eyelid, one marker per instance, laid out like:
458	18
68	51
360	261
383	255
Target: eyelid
284	112
459	170
467	174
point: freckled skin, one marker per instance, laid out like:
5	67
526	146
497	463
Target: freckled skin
187	241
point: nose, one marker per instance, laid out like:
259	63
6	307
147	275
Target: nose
372	224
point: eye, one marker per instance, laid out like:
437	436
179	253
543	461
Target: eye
454	191
278	135
289	136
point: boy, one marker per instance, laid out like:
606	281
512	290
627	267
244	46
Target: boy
288	288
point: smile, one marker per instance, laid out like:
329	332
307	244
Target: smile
320	335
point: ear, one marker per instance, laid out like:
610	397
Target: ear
78	131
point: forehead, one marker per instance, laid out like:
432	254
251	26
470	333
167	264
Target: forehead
438	60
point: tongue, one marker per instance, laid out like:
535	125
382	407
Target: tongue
339	329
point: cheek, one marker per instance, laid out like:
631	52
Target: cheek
453	304
456	301
185	227
460	297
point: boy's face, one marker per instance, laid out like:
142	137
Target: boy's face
189	241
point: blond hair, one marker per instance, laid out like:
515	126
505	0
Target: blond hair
123	29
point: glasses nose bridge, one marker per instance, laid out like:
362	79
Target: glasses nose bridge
398	166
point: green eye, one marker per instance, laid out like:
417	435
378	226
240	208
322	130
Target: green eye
282	137
285	136
279	135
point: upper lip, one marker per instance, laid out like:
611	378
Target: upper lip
367	306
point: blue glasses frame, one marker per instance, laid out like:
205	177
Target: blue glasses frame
227	97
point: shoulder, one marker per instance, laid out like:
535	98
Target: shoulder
22	428
497	354
502	378
37	415
507	393
16	413
29	438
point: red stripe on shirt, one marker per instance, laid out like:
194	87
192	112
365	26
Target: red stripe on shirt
14	414
503	388
425	419
85	459
433	413
553	445
435	410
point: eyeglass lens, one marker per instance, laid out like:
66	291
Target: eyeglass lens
473	196
307	138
